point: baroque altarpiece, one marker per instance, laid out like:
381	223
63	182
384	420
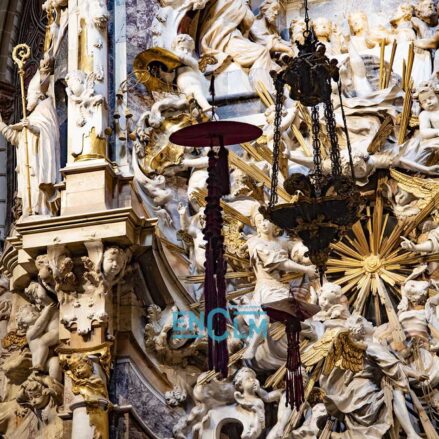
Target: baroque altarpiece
104	242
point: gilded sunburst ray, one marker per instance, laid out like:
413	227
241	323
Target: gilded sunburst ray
369	262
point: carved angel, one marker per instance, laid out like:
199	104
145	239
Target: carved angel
354	365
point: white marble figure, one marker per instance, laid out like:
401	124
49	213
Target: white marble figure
329	34
269	258
404	204
429	116
404	34
425	23
41	323
333	304
366	164
193	226
296	30
190	80
248	410
223	32
362	37
42	130
359	396
114	261
263	30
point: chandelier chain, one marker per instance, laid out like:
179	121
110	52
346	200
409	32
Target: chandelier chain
307	19
279	86
317	153
331	128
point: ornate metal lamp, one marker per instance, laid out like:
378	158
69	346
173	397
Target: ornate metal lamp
214	134
327	206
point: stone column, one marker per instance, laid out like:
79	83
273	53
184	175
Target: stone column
87	80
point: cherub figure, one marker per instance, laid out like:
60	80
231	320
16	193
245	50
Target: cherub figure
114	261
333	304
429	116
251	397
190	80
41	334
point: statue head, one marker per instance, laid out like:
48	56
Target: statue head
270	9
414	292
329	295
358	22
426	10
264	228
184	43
428	99
81	366
26	316
359	160
404	12
245	381
34	93
403	197
322	27
297	27
359	327
45	273
113	262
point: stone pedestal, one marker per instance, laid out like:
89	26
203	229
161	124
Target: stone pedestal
89	187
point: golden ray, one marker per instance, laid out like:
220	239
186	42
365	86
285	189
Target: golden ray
370	260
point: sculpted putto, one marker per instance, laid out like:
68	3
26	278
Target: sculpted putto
41	324
190	80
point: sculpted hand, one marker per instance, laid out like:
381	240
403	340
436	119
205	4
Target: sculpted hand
181	208
407	244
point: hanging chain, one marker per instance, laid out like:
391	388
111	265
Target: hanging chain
317	154
279	86
307	20
331	128
212	94
345	129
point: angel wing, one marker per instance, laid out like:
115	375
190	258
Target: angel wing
338	349
423	188
381	135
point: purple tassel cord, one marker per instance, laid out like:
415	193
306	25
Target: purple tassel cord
294	380
215	265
